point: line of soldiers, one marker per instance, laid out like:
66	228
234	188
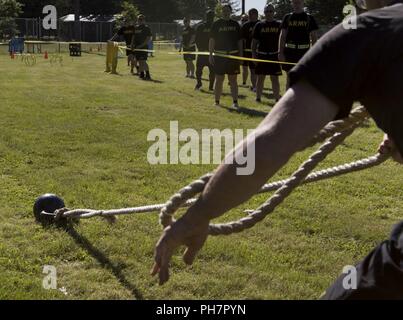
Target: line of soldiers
137	37
269	40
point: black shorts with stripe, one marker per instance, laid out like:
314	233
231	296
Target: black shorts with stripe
266	68
189	57
223	66
141	55
292	56
250	64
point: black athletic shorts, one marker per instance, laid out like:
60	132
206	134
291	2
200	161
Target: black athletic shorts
293	56
223	66
189	57
129	52
379	275
265	68
203	61
141	55
250	64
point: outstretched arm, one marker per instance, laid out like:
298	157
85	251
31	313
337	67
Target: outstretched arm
281	44
294	121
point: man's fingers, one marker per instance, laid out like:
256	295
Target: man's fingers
193	247
155	269
164	275
164	253
190	255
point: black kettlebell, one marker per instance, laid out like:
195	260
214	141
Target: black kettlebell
47	203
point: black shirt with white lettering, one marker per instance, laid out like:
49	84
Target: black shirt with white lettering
142	32
363	64
203	36
127	33
187	37
267	33
247	33
299	27
227	34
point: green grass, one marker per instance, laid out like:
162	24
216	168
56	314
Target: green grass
77	132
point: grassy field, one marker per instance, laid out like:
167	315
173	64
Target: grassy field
77	132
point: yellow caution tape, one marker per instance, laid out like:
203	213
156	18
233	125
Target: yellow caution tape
215	54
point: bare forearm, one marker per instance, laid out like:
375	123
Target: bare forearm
281	42
240	47
291	124
254	46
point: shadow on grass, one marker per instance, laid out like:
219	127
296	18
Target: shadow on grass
103	260
224	94
247	111
154	81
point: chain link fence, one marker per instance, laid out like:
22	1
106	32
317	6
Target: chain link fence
91	31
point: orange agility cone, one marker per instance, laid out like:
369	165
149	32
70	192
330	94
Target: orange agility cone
46	55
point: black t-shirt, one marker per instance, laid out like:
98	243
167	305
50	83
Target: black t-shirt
299	27
267	33
363	65
247	33
187	35
203	36
142	32
226	34
127	33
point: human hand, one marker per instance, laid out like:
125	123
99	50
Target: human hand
186	231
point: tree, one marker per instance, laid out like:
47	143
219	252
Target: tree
326	12
195	9
234	4
9	10
129	12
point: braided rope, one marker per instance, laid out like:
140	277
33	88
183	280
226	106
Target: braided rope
284	187
357	116
313	177
287	186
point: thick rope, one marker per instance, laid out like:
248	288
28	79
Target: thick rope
284	187
313	177
285	190
166	215
356	117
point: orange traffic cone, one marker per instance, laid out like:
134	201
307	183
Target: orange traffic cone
46	55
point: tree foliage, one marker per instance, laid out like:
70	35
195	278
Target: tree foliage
129	13
9	9
325	11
